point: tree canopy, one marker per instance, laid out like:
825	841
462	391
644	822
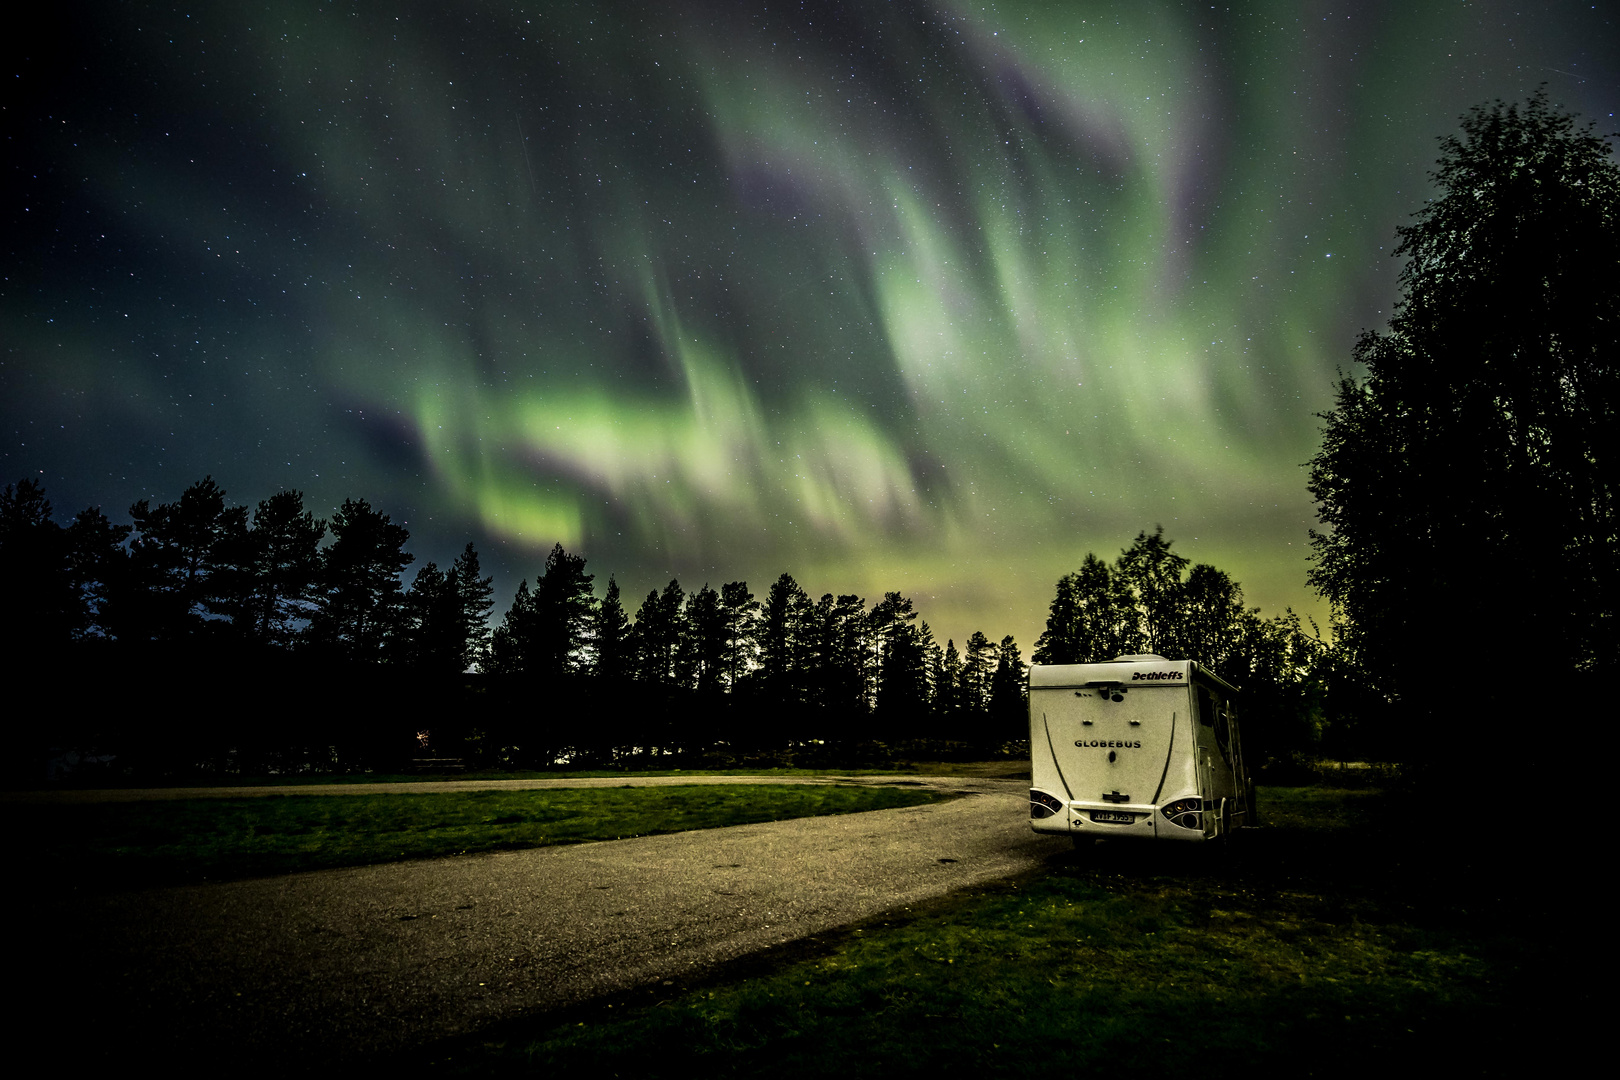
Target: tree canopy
1465	483
1149	601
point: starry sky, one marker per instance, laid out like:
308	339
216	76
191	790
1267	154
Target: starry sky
922	296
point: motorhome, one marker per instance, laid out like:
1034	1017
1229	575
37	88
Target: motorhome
1138	747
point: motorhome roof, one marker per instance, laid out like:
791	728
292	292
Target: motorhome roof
1133	672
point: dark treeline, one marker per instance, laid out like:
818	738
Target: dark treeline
207	637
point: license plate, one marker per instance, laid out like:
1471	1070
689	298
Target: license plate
1112	817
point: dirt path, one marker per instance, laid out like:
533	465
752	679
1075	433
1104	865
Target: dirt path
349	963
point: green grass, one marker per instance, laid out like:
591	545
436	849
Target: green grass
1315	949
917	768
298	780
131	844
1316	809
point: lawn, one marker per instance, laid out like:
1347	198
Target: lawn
1319	947
123	845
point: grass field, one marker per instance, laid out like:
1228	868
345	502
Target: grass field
1315	948
915	768
107	846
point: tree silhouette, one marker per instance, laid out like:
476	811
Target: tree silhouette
547	633
205	597
359	603
100	567
783	620
702	646
475	596
1283	673
1212	621
741	615
612	661
837	630
277	569
902	678
426	636
509	645
656	636
1091	618
1150	573
1009	692
948	687
42	607
1467	484
446	617
185	564
978	668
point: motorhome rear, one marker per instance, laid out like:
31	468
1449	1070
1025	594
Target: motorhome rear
1137	747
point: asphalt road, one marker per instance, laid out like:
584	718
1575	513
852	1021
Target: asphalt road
343	964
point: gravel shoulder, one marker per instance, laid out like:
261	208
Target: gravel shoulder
305	969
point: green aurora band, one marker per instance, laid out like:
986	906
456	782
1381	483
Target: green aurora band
906	296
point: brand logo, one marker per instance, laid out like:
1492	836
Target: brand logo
1155	676
1120	743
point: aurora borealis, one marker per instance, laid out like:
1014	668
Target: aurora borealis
934	297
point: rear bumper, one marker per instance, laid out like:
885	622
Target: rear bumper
1077	819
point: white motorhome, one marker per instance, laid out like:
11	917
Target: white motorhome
1137	747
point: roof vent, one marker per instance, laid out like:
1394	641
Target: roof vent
1136	658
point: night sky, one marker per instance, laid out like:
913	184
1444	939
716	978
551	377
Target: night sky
934	297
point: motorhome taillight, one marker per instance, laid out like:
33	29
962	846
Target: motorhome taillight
1042	805
1185	813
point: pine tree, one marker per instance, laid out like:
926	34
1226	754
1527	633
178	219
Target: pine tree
432	635
359	603
901	693
978	667
510	643
741	632
184	562
702	645
948	688
275	571
657	636
475	597
613	658
836	632
1009	694
783	621
547	633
